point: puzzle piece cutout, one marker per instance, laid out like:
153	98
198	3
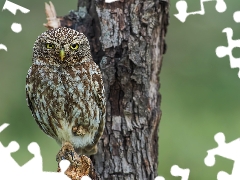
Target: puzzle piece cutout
5	153
222	51
110	1
3	126
85	178
16	27
236	16
177	171
5	156
10	169
182	9
12	7
2	46
229	150
28	175
34	164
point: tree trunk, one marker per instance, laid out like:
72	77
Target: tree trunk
127	42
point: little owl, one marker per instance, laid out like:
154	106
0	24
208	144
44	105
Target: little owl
65	91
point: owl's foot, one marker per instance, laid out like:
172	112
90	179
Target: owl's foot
79	165
79	130
67	152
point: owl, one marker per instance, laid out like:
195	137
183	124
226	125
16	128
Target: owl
64	90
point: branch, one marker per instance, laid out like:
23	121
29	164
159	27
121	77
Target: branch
52	20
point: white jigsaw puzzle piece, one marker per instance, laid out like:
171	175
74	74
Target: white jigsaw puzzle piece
177	171
110	1
34	164
159	178
2	46
12	7
5	125
64	164
229	150
10	169
182	9
236	16
7	163
85	178
16	27
222	51
5	153
28	175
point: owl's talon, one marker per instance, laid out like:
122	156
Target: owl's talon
72	154
59	158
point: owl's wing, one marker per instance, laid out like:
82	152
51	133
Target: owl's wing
29	92
30	80
31	107
99	93
29	103
29	84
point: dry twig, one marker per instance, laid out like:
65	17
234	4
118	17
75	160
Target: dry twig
52	20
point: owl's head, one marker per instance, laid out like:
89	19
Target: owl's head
61	46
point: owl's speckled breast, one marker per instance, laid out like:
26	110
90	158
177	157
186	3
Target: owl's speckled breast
63	98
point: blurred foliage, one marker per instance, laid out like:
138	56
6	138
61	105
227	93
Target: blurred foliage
199	90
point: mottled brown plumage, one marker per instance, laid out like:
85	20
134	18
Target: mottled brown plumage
65	91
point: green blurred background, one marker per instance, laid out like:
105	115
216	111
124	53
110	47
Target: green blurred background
199	90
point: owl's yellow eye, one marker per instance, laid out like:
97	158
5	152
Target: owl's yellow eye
50	45
74	46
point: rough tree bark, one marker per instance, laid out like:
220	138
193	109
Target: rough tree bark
127	40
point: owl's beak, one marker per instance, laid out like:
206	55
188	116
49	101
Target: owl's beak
62	54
